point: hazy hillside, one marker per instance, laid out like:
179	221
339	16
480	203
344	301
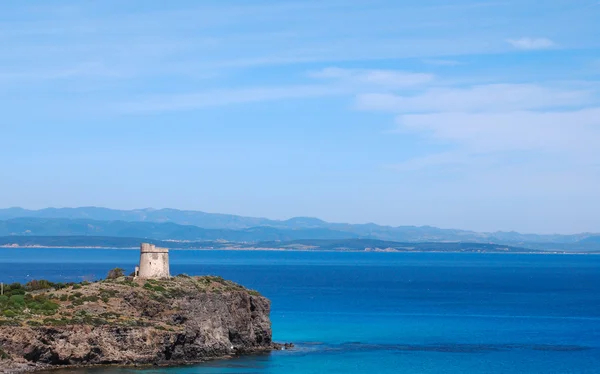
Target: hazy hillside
162	231
245	227
200	219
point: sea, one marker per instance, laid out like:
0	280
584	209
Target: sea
382	312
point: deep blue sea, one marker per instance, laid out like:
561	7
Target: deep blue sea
384	312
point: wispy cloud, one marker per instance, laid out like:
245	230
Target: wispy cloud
385	78
222	97
532	43
483	124
574	131
492	97
533	141
250	35
325	82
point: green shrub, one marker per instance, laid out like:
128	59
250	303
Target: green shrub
4	355
56	322
130	283
115	273
36	285
59	286
40	298
110	315
76	286
156	288
17	300
50	306
18	291
34	305
216	278
9	322
64	297
9	314
108	293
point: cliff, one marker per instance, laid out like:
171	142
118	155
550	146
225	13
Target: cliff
131	322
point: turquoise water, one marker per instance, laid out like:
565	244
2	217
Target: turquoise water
385	312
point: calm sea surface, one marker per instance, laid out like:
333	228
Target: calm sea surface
385	312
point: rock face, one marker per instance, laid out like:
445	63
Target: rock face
126	322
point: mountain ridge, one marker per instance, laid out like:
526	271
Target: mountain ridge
234	222
157	230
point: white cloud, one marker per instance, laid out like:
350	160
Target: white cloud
559	141
486	124
575	132
384	78
532	43
492	97
214	98
337	81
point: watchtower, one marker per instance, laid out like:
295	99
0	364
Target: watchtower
154	262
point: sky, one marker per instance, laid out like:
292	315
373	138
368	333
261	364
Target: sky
480	115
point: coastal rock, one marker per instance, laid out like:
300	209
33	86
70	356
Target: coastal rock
126	322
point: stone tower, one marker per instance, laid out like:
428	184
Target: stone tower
154	262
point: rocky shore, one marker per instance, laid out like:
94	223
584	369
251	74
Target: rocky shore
132	322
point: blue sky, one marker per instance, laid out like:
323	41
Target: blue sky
479	115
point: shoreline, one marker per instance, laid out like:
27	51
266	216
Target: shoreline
21	367
275	249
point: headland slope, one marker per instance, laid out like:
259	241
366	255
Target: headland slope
127	321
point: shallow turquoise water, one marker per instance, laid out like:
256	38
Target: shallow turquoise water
386	312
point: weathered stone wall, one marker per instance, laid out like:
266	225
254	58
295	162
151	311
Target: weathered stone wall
154	262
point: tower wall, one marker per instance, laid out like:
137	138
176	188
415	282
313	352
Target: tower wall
154	262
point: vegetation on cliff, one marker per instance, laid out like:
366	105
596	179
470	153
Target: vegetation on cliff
44	303
128	321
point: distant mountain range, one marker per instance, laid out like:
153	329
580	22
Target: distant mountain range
172	224
159	231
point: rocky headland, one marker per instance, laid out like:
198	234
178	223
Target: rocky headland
126	321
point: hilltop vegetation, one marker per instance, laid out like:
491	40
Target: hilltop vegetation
130	321
44	303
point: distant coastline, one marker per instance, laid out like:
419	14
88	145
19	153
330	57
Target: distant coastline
92	227
279	249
